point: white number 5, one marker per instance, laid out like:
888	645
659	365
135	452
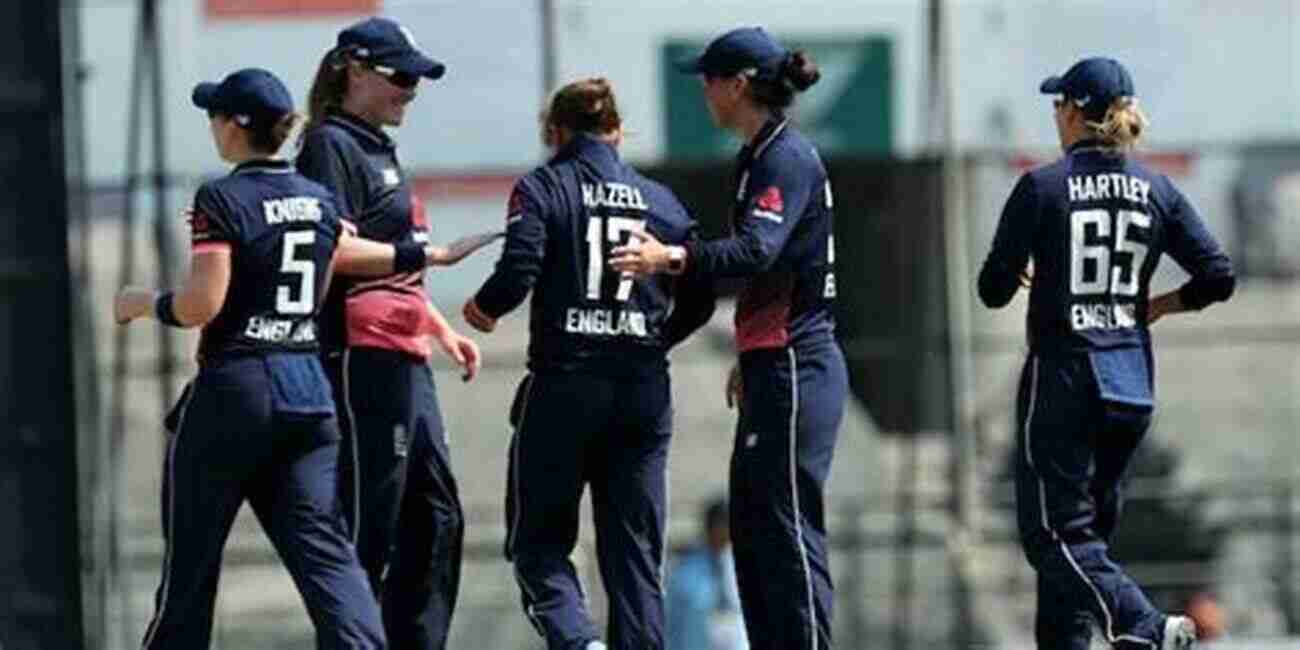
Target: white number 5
306	270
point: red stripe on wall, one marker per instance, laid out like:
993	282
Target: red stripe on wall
236	9
1178	164
463	186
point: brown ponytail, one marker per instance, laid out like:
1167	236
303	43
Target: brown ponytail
800	71
328	89
585	106
267	137
796	73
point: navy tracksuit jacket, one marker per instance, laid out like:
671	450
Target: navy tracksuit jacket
595	409
399	494
257	423
1095	225
795	385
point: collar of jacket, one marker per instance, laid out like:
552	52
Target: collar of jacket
361	128
764	138
586	146
1086	144
265	165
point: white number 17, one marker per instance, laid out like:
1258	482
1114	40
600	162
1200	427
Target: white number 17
617	227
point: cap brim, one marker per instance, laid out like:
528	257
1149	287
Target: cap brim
419	65
1052	86
205	95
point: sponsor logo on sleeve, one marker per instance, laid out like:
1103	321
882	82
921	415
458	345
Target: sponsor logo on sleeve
198	223
515	208
769	205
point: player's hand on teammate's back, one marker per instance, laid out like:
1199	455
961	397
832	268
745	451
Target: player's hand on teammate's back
464	351
459	249
641	255
131	303
735	386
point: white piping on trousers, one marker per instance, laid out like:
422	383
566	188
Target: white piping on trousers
1042	507
356	456
519	504
663	528
171	516
794	494
529	610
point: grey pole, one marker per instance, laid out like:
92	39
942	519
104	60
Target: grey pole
550	63
118	586
963	449
162	211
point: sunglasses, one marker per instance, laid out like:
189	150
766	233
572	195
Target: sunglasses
403	80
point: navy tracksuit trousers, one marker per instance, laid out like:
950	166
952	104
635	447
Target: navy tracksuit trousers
612	434
399	496
227	445
1072	453
790	412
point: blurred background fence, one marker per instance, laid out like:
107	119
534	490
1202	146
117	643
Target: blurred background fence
1214	511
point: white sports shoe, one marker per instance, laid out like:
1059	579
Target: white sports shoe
597	645
1180	633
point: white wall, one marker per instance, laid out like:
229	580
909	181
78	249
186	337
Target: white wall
622	40
1206	70
481	115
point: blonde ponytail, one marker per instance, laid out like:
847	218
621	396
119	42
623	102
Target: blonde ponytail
1123	125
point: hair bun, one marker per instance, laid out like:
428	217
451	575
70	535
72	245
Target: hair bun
799	70
587	105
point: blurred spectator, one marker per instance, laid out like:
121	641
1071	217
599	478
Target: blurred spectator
1204	608
703	601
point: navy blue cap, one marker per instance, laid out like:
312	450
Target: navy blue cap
249	95
738	50
1092	84
381	41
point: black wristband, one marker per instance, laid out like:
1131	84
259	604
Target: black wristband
164	311
407	257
